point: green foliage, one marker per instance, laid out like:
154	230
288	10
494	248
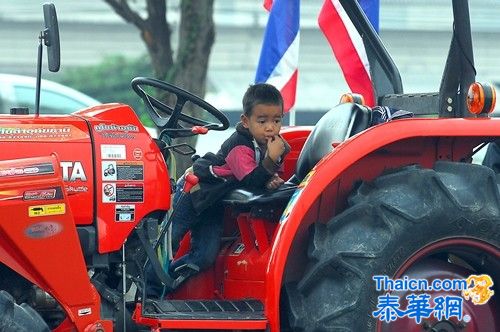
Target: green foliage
109	81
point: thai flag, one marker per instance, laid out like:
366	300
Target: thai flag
279	56
372	11
347	45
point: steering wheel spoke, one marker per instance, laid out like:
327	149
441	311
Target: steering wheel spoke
179	105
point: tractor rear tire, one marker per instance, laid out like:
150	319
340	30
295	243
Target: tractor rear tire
19	318
387	224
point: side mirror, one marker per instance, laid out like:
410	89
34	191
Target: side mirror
51	36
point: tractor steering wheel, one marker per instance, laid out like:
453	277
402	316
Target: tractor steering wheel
170	125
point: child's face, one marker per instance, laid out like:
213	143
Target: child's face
264	122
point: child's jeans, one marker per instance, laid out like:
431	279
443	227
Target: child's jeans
206	231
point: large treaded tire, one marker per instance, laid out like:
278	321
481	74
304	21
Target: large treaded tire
19	318
387	221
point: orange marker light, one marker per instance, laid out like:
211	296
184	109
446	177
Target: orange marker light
352	98
481	98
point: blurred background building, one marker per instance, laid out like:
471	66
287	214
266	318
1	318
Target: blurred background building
416	33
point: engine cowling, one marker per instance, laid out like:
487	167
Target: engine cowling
114	173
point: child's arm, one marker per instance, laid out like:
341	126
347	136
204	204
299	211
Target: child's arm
275	148
241	161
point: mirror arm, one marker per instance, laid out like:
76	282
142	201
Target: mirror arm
39	71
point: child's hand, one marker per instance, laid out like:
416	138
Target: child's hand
275	182
275	147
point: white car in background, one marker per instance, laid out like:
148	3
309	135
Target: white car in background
55	98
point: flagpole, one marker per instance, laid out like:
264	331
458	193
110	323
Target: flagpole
292	117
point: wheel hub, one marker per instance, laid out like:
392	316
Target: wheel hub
443	326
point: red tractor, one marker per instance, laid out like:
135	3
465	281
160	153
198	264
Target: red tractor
82	196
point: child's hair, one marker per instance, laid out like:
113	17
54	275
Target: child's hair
261	93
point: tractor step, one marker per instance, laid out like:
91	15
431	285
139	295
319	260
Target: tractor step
192	314
205	309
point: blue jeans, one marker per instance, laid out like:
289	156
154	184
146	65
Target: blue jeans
206	231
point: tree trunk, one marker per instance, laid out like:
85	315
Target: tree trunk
196	37
156	35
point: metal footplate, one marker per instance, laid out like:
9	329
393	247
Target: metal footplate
220	314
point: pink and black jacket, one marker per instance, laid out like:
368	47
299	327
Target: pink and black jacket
240	163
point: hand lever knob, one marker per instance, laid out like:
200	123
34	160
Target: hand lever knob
199	130
191	181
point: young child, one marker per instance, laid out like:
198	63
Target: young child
250	158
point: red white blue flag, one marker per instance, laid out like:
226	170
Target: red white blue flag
279	56
268	4
372	11
348	47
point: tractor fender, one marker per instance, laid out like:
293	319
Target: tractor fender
323	192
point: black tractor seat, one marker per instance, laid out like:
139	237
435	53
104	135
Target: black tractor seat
338	124
260	203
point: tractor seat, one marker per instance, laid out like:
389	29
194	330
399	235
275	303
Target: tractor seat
338	124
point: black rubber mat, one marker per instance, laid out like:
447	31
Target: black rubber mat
205	309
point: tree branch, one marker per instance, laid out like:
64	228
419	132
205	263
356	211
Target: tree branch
122	8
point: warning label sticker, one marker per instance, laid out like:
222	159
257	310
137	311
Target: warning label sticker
109	192
122	192
46	210
122	170
108	170
124	213
130	170
129	193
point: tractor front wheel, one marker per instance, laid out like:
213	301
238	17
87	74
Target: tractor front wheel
414	223
19	318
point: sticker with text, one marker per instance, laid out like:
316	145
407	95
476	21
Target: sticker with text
46	210
124	212
113	151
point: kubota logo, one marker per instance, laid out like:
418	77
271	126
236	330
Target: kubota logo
114	127
73	171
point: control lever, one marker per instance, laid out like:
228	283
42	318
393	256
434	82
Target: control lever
190	180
